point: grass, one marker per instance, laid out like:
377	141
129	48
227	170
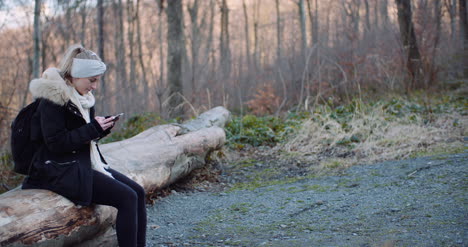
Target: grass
384	130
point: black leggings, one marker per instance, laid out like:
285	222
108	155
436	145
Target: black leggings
129	199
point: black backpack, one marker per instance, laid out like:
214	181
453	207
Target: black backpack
23	147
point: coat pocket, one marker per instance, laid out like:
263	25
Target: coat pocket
64	178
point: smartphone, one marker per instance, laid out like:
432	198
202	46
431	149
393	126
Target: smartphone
115	117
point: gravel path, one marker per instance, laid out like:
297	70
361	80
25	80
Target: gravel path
418	202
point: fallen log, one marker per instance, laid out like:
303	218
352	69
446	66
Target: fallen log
154	158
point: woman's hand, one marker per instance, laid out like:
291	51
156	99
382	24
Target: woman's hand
105	123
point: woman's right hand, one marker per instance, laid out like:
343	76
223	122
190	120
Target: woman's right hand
105	123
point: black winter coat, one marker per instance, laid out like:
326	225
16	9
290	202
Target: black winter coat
62	162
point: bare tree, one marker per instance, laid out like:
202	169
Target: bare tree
100	44
120	55
384	13
247	36
451	6
313	16
410	46
175	57
160	89
37	38
352	11
225	49
302	16
37	49
464	35
83	14
196	42
278	33
131	17
367	28
209	51
140	54
256	16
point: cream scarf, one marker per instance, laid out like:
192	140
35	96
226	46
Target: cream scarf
84	103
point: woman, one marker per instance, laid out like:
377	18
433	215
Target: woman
68	160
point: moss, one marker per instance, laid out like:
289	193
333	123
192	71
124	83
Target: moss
439	152
242	208
245	163
259	182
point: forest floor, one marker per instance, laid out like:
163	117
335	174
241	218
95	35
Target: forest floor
263	200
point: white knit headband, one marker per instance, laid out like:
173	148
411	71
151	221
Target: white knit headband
83	68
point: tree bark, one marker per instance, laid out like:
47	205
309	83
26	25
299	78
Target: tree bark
146	92
384	14
160	88
195	46
133	81
410	46
121	67
278	33
208	49
464	35
154	159
256	56
247	36
37	42
225	40
313	16
451	6
302	23
100	23
175	57
368	24
83	23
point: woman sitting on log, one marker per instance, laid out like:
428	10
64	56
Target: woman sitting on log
68	160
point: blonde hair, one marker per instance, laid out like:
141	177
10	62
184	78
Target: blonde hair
74	51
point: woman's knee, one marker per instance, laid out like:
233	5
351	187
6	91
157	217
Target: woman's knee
128	199
140	191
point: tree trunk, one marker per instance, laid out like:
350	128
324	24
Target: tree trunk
146	91
408	38
384	14
368	25
376	16
36	45
208	49
37	38
278	33
326	34
247	36
160	88
133	81
256	55
452	11
100	24
175	57
224	40
302	23
154	159
83	23
429	76
464	35
195	46
313	16
121	67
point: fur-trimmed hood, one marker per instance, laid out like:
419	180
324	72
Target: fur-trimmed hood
51	86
